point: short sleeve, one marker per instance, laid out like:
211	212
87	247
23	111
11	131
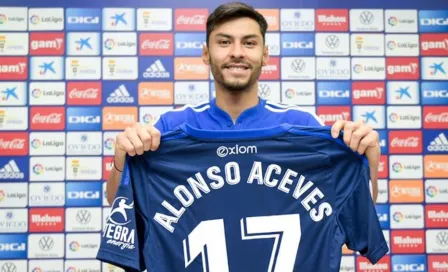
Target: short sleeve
359	222
160	124
314	120
121	240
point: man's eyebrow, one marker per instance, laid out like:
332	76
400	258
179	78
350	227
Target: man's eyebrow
230	36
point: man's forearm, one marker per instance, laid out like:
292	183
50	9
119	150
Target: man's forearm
112	184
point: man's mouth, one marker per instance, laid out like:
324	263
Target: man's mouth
237	67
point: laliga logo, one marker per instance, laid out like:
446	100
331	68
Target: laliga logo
393	21
38	169
224	151
357	68
34	19
36	93
398	217
148	118
109	143
74	246
109	44
391	45
35	143
397	167
394	117
431	191
3	19
290	93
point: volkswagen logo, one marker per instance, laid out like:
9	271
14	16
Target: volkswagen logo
366	17
9	267
298	65
264	91
46	243
442	238
83	217
332	41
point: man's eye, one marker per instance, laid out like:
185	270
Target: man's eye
224	42
250	43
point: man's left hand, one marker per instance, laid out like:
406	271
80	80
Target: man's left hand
362	138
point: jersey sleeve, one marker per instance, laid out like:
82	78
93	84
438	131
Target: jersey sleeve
359	222
121	241
160	124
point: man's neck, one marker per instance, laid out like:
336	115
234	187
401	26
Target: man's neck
234	103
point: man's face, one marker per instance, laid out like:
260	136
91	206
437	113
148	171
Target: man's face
236	54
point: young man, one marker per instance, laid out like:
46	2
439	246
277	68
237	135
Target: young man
236	52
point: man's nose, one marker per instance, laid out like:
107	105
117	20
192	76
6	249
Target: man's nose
237	51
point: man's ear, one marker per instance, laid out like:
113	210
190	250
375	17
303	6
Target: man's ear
205	54
265	55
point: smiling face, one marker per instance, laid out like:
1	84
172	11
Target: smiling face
236	54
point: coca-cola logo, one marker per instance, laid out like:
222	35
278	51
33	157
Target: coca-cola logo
91	93
52	118
158	44
408	142
437	118
191	20
13	144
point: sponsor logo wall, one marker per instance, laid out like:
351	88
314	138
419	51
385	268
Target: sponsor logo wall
72	78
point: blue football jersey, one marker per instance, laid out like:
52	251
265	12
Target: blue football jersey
278	199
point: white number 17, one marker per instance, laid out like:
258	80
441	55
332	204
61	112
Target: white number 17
210	235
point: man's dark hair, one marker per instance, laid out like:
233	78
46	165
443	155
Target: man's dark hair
234	10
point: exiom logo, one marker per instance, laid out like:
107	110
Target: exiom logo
224	151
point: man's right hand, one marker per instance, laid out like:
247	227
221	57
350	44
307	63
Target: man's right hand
133	141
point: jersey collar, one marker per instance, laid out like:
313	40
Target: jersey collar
245	116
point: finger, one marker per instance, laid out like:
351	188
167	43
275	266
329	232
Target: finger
131	134
336	128
155	137
145	137
348	130
357	136
124	144
369	140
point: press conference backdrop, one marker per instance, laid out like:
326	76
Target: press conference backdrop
73	74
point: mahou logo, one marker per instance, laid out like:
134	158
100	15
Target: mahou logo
408	241
14	144
43	118
368	93
331	114
331	20
435	117
156	44
403	68
84	93
438	263
190	19
436	216
364	265
405	142
47	43
14	68
46	220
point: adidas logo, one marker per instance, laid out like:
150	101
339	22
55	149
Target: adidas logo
11	171
120	95
440	143
156	70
